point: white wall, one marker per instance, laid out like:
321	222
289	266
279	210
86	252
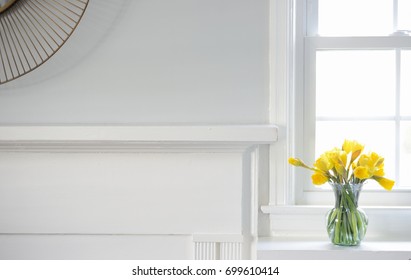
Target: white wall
152	61
138	62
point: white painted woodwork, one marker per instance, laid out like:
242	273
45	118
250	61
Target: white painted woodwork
307	249
123	134
218	247
70	184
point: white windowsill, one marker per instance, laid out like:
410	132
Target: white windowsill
321	209
298	232
271	248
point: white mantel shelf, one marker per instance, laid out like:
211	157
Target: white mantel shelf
324	250
66	136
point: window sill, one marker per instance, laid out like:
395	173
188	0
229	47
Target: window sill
386	224
274	248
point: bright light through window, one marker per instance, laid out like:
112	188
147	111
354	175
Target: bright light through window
356	93
405	140
404	15
356	17
355	83
405	162
406	83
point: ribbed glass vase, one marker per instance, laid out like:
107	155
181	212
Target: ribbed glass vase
346	222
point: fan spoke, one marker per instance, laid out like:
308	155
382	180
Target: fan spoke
32	31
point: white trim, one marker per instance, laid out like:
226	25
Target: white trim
241	133
117	138
395	15
312	17
372	42
282	43
218	238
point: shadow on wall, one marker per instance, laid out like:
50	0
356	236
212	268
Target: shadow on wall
97	23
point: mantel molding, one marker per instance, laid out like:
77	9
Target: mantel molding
118	138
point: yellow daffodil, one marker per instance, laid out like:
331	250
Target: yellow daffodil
353	165
323	163
339	160
347	169
319	178
353	147
384	182
370	165
347	165
361	173
295	162
298	162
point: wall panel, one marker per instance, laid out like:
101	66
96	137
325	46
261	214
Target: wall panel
120	193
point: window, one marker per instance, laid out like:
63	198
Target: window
354	67
316	73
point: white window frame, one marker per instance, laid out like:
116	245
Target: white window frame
288	197
313	43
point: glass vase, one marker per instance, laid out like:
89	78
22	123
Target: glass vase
346	222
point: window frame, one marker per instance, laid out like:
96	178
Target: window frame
312	44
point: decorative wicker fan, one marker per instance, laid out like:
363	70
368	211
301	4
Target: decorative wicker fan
31	31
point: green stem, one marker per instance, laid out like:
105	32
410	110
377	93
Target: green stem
346	224
337	227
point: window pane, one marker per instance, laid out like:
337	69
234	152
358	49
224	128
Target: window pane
355	83
405	83
354	17
404	14
405	159
330	134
